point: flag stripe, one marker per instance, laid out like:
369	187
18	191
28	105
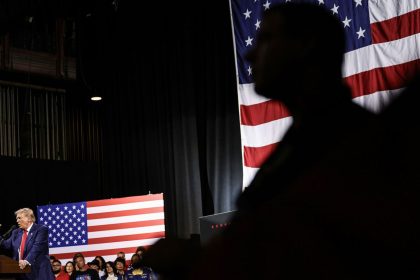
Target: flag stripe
265	134
125	206
126	213
382	55
263	112
125	219
381	10
254	157
159	234
396	28
124	200
387	78
248	96
376	101
126	225
110	246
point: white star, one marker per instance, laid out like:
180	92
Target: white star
361	33
358	2
346	22
57	208
335	9
249	41
249	71
247	14
257	24
267	5
41	210
82	206
320	2
49	209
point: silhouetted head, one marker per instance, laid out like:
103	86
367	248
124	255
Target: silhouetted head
297	43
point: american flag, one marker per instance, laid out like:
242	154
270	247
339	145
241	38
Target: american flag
103	227
382	54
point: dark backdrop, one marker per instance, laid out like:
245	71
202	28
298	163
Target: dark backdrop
168	122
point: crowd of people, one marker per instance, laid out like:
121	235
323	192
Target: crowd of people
99	269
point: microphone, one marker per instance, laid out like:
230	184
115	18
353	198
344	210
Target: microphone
6	235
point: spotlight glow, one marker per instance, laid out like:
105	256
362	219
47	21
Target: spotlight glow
96	98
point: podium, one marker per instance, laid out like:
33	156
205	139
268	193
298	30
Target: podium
9	268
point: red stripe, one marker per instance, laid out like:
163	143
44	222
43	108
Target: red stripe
159	234
127	225
125	213
108	252
386	78
396	28
263	112
255	156
131	199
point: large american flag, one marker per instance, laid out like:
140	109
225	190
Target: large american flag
382	54
103	227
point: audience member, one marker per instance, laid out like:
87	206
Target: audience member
137	271
111	272
58	271
140	251
69	268
101	261
83	271
120	266
121	254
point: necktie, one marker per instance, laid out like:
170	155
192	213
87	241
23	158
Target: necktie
22	244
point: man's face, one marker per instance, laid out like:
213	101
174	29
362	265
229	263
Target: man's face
56	266
275	59
80	262
23	221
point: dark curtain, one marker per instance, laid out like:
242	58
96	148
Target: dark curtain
171	119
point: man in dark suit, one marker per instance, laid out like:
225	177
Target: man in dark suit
29	246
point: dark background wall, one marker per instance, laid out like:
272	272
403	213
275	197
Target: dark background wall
169	117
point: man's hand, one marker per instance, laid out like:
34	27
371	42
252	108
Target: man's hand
23	264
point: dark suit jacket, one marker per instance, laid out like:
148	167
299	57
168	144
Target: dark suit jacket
36	251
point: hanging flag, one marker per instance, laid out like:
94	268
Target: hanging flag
103	227
382	55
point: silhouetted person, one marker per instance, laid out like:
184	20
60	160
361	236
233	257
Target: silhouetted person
279	230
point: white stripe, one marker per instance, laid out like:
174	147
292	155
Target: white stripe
249	173
382	55
126	231
377	101
380	10
248	96
105	246
126	219
265	134
125	206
